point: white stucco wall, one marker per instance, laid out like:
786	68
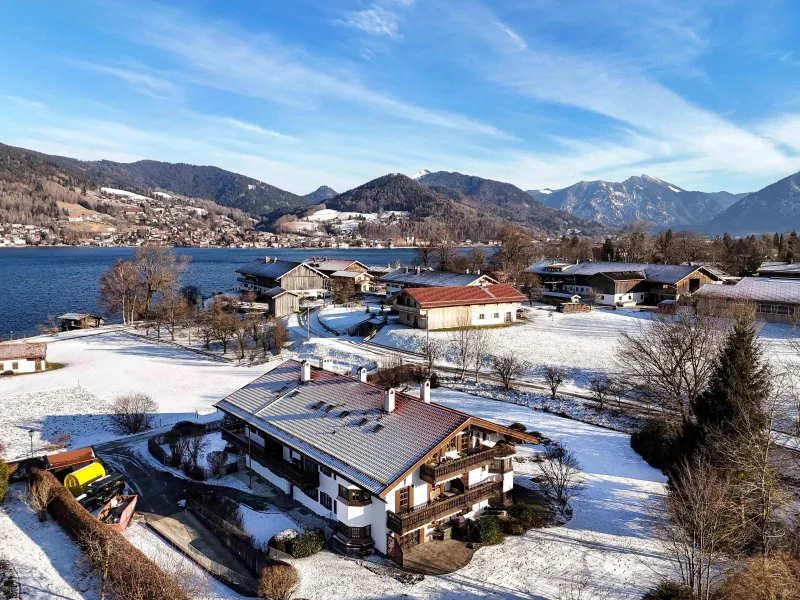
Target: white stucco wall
23	365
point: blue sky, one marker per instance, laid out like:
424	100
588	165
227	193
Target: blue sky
300	93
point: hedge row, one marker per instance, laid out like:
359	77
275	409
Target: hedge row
131	575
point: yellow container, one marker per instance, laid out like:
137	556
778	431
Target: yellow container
77	480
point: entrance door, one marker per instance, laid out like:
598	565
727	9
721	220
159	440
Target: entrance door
508	317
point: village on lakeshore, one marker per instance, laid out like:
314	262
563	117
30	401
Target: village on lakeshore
451	416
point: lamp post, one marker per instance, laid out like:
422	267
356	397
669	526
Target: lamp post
30	434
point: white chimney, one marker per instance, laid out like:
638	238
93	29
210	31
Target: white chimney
326	363
362	374
267	259
305	371
388	400
425	390
417	269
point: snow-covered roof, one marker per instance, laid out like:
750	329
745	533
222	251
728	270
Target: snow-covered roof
433	278
329	265
339	421
670	274
771	268
755	289
274	269
77	316
277	291
349	274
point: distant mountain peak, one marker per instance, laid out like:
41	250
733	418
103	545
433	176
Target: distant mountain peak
420	174
321	194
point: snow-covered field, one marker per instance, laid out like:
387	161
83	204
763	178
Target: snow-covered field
584	344
98	368
342	318
46	560
263	525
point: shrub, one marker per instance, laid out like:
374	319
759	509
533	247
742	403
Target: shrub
277	582
435	383
518	427
487	530
669	590
763	578
513	527
216	462
3	480
307	543
194	472
658	443
528	515
133	413
283	540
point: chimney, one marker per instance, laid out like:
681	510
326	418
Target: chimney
267	259
326	362
425	390
305	371
362	374
416	269
388	400
467	271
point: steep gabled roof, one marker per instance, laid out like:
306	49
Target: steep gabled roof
274	269
329	265
438	297
339	421
669	274
433	278
755	289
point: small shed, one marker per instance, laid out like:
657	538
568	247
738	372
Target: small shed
668	306
282	302
70	321
559	298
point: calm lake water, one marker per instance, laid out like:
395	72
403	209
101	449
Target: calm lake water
36	282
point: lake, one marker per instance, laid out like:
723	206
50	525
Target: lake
37	282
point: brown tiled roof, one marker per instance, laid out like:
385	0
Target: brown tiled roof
467	295
31	350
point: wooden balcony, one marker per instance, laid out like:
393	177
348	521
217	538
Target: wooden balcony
418	516
303	479
436	474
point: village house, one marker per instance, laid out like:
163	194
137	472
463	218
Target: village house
23	357
385	467
350	273
776	299
70	321
622	284
417	278
788	269
449	307
264	274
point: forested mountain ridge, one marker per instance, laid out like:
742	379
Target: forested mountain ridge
508	201
321	194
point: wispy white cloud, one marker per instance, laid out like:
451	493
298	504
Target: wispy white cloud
253	128
230	59
25	102
136	78
375	20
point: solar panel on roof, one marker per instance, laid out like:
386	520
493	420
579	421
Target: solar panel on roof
377	428
343	414
363	422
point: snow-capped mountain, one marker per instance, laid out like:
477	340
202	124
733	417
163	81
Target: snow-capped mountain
420	174
774	208
642	198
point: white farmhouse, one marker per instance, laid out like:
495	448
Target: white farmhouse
23	357
386	468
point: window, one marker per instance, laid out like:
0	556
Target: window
312	493
354	533
355	497
14	366
325	471
481	316
496	315
325	500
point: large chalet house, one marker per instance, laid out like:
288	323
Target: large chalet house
266	274
399	279
350	273
451	307
622	284
385	467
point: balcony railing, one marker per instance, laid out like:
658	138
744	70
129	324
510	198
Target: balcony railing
436	474
300	477
418	516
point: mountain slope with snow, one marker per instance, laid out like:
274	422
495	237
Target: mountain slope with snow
642	198
420	174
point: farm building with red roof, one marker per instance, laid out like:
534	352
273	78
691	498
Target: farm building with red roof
451	307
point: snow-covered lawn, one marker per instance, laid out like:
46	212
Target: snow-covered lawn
342	318
46	560
263	525
584	344
76	399
607	542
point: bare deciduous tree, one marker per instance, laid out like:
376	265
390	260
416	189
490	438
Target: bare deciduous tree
697	524
121	290
670	358
195	446
560	473
462	339
508	367
159	268
277	582
482	343
554	376
216	462
432	351
601	387
172	310
279	334
133	413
